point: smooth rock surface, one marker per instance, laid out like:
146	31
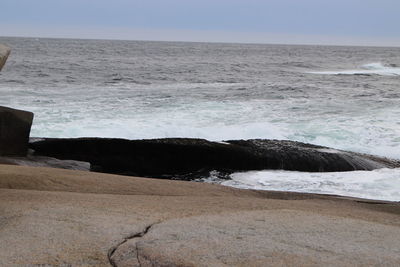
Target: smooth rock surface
55	217
185	158
4	53
15	127
263	238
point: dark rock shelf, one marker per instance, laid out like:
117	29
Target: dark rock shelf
190	158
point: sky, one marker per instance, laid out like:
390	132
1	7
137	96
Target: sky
336	22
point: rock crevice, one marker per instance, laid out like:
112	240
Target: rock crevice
112	250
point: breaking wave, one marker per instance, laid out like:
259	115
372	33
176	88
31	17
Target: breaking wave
376	68
381	184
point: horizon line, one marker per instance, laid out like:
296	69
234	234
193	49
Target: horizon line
199	42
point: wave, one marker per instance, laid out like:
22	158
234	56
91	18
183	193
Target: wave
163	128
376	68
14	81
381	184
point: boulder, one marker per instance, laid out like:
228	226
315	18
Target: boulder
4	53
186	159
15	126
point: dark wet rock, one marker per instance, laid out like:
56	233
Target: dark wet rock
4	53
186	158
152	158
297	156
15	126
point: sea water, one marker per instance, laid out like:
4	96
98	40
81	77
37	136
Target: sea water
341	97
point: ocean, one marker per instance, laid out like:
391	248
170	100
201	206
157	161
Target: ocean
341	97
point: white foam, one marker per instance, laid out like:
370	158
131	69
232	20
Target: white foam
157	127
328	150
224	143
382	184
376	68
373	131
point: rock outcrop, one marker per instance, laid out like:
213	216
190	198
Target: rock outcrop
54	217
4	53
41	161
15	126
186	159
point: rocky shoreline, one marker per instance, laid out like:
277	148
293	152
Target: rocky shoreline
58	217
171	158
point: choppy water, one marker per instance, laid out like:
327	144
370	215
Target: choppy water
342	97
382	184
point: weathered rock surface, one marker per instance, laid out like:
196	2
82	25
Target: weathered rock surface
189	158
262	238
4	53
15	126
54	217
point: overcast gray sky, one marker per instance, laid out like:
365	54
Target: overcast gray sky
358	22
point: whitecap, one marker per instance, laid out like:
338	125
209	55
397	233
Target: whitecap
375	68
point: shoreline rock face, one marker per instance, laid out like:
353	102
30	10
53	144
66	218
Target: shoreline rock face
15	126
186	159
4	53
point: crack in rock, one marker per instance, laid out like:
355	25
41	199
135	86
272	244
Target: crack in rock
112	250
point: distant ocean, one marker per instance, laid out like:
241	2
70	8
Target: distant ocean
342	97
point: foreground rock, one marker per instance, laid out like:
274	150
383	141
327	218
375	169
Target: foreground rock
263	238
190	158
54	217
4	53
15	126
